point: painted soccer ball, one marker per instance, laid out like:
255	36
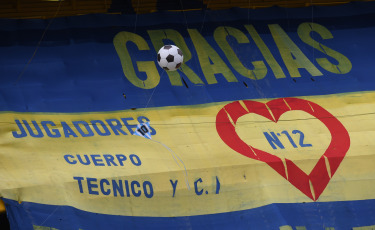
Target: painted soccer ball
170	57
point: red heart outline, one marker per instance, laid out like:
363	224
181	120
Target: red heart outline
319	177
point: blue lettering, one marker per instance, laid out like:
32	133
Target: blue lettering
138	163
136	194
66	157
90	186
82	127
217	185
116	128
147	193
127	188
23	132
67	130
121	158
128	126
55	133
89	133
79	179
109	159
98	131
301	138
117	187
174	186
97	162
102	182
273	139
39	131
196	187
289	138
80	160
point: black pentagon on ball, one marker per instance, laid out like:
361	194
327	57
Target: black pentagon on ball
166	68
159	57
167	47
178	65
170	58
179	52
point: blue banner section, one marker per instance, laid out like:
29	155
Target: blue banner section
108	62
311	216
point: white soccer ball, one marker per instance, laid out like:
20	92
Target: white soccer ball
170	57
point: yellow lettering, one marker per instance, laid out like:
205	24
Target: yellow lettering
221	33
149	67
304	30
36	227
372	227
285	227
157	37
300	228
275	67
206	55
293	57
288	227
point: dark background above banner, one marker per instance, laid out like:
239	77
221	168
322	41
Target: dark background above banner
55	8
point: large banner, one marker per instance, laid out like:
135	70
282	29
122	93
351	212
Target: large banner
268	124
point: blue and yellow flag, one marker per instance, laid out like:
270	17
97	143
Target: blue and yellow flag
268	124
